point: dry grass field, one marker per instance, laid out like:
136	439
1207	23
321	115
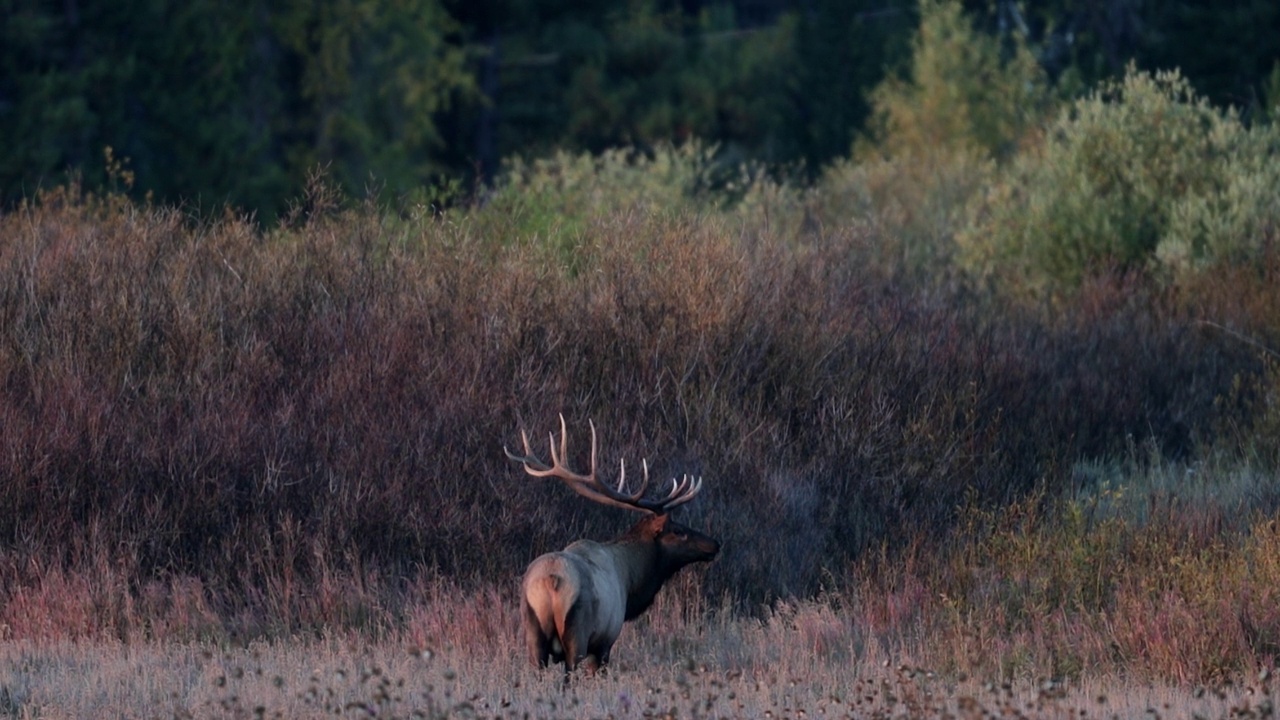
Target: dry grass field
793	665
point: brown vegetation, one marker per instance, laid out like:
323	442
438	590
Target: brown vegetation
213	431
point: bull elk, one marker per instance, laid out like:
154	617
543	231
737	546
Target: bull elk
576	600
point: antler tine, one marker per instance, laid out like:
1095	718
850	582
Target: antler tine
558	460
528	451
682	492
677	487
644	482
621	492
532	464
591	424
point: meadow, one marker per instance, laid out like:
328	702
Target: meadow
711	668
956	469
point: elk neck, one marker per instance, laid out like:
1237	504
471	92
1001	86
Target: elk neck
642	564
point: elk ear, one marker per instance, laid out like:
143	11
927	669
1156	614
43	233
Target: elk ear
654	525
660	522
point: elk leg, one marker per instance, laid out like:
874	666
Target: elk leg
538	644
603	654
577	652
591	664
573	652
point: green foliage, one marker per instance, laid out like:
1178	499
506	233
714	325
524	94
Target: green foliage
962	96
913	205
1237	214
556	203
1138	174
219	103
664	77
215	103
550	202
935	136
374	76
1271	96
844	48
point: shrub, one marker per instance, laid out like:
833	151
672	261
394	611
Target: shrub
964	93
910	207
934	138
550	200
1140	174
550	203
1150	568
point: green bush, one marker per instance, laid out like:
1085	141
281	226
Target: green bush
1232	219
935	136
964	94
912	206
1140	174
550	202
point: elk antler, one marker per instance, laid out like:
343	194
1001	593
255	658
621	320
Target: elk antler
591	488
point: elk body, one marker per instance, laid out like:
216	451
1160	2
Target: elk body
575	600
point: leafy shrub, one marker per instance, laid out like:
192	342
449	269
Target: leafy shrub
963	95
550	201
912	207
934	138
1141	173
1237	215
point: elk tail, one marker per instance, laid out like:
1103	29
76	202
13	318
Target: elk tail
564	599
